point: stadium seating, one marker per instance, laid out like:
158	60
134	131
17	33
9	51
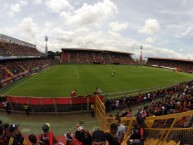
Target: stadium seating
179	65
100	57
13	49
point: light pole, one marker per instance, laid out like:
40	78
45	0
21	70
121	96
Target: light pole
46	49
141	47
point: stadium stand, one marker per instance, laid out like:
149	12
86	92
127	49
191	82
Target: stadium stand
75	55
19	59
175	64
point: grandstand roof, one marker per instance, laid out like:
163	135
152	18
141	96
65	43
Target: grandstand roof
175	59
99	50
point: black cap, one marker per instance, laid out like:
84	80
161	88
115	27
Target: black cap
45	127
98	136
12	127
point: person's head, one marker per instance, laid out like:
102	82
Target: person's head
80	129
14	130
32	138
98	138
140	109
69	137
113	129
46	127
117	121
6	126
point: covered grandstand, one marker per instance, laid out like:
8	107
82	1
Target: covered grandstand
95	56
19	59
183	65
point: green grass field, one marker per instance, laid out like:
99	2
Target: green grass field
60	80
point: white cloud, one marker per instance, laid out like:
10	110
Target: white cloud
37	1
151	26
13	9
180	31
150	40
28	29
117	26
151	51
90	14
65	36
23	2
58	6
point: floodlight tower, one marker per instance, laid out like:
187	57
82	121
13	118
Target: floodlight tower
46	49
141	48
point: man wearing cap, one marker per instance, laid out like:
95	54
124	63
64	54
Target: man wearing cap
16	137
3	138
98	138
83	136
47	137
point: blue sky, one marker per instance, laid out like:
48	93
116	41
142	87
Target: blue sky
163	27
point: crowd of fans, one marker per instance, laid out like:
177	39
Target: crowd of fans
13	49
96	57
175	99
11	135
183	66
167	103
14	67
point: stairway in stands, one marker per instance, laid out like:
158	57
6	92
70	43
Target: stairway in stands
8	71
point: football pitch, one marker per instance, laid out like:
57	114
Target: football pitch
60	80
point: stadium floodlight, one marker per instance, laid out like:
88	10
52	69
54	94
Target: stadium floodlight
46	49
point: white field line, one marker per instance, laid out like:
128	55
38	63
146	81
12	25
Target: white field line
20	84
77	72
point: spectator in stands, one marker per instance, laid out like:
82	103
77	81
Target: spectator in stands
83	136
70	139
6	129
129	114
136	137
121	129
111	137
32	138
141	112
98	138
16	137
73	93
47	136
92	110
5	105
3	138
26	108
98	91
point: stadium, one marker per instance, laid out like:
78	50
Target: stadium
44	83
100	72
